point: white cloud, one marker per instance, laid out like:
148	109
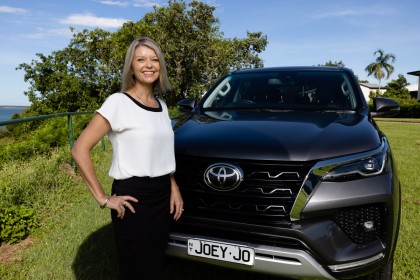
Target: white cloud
145	3
12	10
39	35
43	34
63	32
114	3
91	20
372	11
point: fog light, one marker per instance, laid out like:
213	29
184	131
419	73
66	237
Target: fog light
368	226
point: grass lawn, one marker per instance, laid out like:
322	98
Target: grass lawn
404	139
75	237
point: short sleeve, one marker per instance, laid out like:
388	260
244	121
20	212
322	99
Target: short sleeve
164	108
110	110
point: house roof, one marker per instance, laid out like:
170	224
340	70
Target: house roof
369	85
414	73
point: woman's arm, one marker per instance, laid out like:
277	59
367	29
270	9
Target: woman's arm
90	136
177	203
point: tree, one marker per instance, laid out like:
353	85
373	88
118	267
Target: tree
382	62
396	89
76	78
83	74
335	63
195	50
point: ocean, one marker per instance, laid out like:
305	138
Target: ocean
6	112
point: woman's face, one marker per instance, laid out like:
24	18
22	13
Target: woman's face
145	65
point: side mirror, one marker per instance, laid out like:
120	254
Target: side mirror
385	107
186	105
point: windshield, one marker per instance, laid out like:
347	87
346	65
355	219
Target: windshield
283	90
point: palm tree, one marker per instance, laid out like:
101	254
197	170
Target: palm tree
381	63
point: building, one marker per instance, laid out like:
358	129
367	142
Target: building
416	73
367	88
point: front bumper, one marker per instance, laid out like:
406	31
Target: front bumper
268	259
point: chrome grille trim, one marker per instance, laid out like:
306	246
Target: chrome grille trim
281	174
267	192
265	195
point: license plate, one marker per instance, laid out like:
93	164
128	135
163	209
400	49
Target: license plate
221	251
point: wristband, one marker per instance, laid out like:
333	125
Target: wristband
106	202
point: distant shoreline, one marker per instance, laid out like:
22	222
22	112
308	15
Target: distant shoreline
13	106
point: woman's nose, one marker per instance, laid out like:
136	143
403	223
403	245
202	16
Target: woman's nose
148	63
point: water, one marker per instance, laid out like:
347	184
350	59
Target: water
7	112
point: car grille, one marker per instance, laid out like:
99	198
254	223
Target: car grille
351	221
265	196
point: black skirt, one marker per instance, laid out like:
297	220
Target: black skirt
141	237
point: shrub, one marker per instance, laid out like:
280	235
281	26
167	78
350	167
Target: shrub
16	223
409	111
28	139
174	112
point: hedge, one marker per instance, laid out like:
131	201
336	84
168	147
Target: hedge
409	111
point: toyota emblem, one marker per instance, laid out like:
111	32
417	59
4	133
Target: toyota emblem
223	176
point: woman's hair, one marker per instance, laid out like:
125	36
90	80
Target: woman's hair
162	85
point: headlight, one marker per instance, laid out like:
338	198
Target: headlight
362	167
345	168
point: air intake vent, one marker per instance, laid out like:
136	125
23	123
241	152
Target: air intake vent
363	224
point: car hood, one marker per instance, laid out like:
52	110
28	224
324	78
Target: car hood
280	136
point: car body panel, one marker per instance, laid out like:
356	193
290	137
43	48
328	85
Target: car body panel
329	227
290	136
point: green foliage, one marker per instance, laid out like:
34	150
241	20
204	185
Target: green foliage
381	67
23	150
373	94
404	139
75	78
80	76
34	191
396	89
174	112
409	111
331	63
39	137
16	223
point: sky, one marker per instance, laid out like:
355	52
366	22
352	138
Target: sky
299	32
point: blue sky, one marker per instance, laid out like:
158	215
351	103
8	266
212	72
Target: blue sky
300	32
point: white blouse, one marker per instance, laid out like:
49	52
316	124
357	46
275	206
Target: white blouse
142	138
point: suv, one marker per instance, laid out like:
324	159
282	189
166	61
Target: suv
284	171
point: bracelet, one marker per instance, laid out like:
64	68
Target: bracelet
106	202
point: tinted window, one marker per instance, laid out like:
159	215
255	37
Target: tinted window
294	90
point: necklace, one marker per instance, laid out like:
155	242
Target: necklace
144	103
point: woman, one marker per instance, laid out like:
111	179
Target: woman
144	191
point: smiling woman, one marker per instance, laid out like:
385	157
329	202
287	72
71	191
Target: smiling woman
144	192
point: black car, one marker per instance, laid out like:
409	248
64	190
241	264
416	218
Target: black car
283	171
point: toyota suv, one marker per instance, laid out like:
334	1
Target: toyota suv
284	171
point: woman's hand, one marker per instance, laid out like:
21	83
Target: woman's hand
176	202
119	203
